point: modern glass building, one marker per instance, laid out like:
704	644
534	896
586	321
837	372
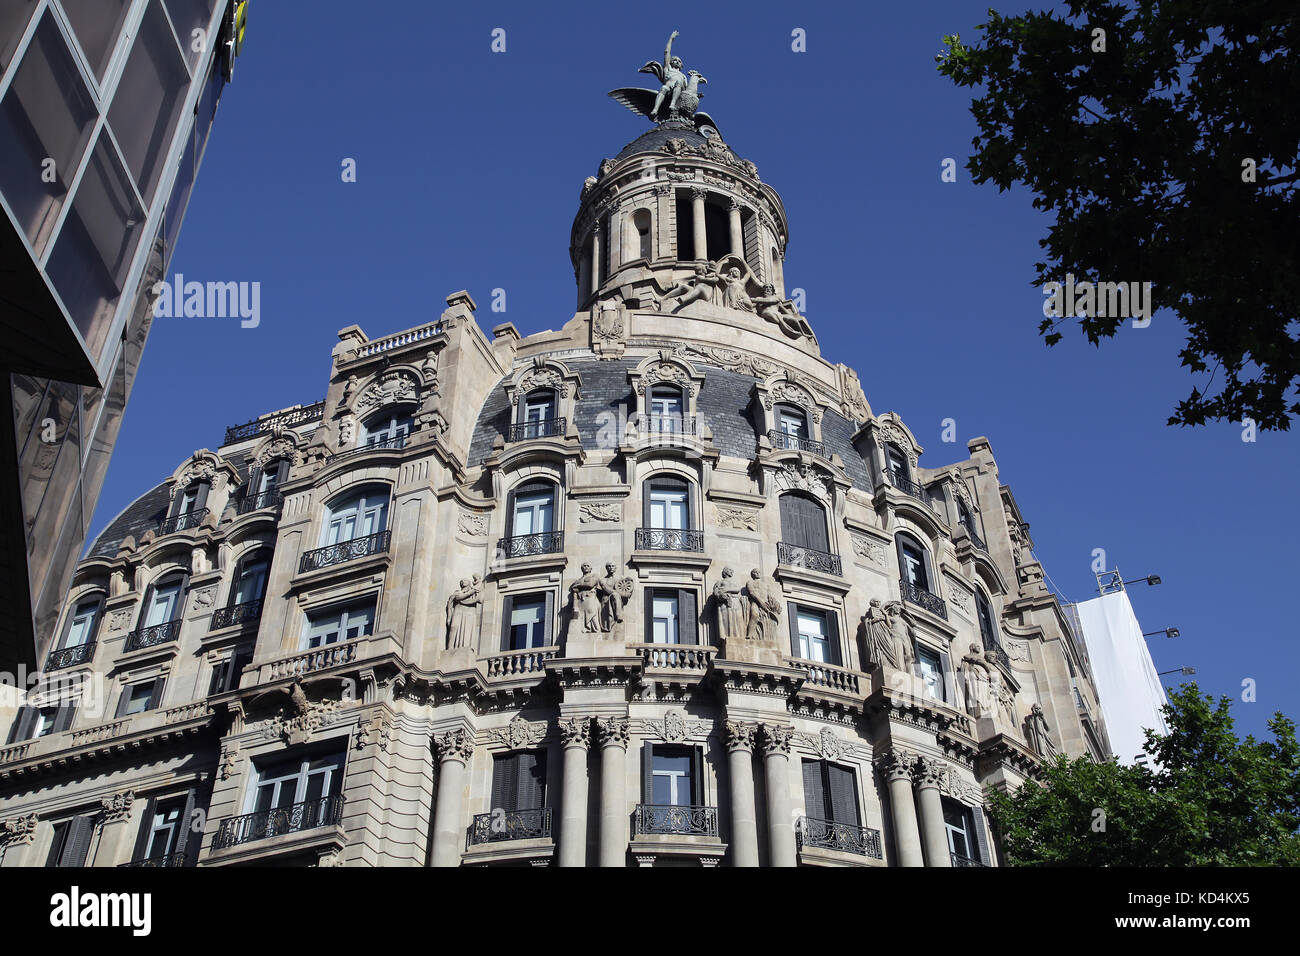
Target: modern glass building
105	111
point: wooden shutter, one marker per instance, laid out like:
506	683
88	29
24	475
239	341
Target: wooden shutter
123	700
531	794
282	472
814	790
649	615
505	782
548	622
507	608
790	526
645	503
981	836
155	695
21	728
80	830
687	618
146	824
63	719
949	682
833	637
792	612
843	794
201	499
697	776
647	771
183	842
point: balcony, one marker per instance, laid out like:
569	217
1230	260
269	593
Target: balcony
546	428
182	522
677	657
394	443
170	860
827	676
400	340
289	419
669	424
248	503
669	539
152	636
780	439
527	545
520	663
908	487
236	614
841	837
503	825
308	815
975	539
922	598
676	821
794	556
77	654
333	554
959	860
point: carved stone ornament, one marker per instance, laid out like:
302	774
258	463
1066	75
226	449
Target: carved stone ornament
669	372
378	731
575	732
732	360
674	727
117	807
279	448
960	596
791	394
929	771
741	735
541	378
203	598
119	619
742	519
391	388
613	731
455	744
472	523
869	548
519	733
951	784
887	431
896	764
201	470
826	744
347	431
776	738
228	761
805	476
299	718
1016	650
600	511
19	830
607	324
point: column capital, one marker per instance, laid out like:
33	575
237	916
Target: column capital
896	765
663	189
698	193
117	807
20	831
776	739
733	203
613	731
741	735
928	772
455	744
575	732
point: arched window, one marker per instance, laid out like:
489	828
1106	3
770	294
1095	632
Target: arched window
262	490
778	272
667	409
896	461
82	627
988	624
914	563
641	223
532	520
791	420
250	578
803	523
537	413
386	429
667	503
356	515
164	600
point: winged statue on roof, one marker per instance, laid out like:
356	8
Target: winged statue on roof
678	97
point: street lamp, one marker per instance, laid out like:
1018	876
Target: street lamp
1151	579
1167	632
1184	670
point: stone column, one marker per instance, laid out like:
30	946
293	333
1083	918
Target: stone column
737	233
594	270
114	830
614	734
744	822
17	836
454	751
697	220
928	773
897	770
776	771
576	735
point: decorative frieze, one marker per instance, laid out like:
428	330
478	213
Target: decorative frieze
741	519
869	548
19	831
674	727
519	733
472	523
600	511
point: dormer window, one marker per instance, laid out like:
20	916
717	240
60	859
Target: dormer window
896	461
791	421
667	409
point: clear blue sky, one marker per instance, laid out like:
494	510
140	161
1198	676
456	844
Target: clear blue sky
469	168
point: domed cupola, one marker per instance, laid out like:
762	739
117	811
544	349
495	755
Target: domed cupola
677	217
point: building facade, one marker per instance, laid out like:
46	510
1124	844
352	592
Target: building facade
658	588
105	112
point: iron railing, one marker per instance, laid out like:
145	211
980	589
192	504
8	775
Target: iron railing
845	837
289	419
523	545
236	614
308	815
794	556
395	443
168	860
959	860
975	539
250	502
907	486
669	424
333	554
182	522
685	821
780	439
510	825
152	636
923	598
72	656
669	539
546	428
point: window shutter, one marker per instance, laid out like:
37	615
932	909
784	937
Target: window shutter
790	528
201	500
697	776
63	719
548	624
21	728
146	823
792	612
687	618
833	638
220	676
814	791
645	504
843	794
80	830
510	513
507	608
981	836
647	772
155	695
123	700
815	526
949	681
532	780
183	842
282	472
505	782
649	615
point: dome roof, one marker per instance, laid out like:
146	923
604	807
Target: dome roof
654	140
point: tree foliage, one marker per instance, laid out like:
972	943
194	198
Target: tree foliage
1141	154
1209	800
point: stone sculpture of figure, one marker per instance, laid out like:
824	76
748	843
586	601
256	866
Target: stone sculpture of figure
1006	698
734	295
462	613
612	593
762	608
900	630
674	80
693	288
880	642
348	387
730	606
773	308
980	699
586	605
1038	735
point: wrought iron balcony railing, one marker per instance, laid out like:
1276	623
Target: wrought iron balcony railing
975	539
249	502
333	554
669	539
72	656
794	556
510	825
169	860
290	419
685	821
308	815
182	522
394	443
907	486
546	428
924	599
669	424
152	636
845	837
525	545
959	860
236	614
780	439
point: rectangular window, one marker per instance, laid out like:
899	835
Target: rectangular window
163	604
830	792
83	623
347	623
528	623
671	778
226	674
931	667
792	423
140	697
914	567
814	634
519	781
71	843
534	513
663	623
668	509
299	779
164	829
959	824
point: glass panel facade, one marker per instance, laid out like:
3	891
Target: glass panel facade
97	25
14	17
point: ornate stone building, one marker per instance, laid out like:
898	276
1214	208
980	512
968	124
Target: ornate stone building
657	588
